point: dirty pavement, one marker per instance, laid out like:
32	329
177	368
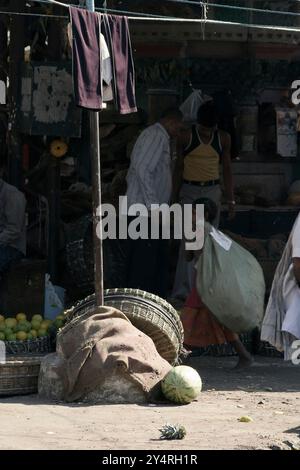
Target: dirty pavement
268	393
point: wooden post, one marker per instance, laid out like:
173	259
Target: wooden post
16	58
54	53
54	187
96	182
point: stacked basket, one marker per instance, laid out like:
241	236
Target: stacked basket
41	346
19	375
19	372
150	314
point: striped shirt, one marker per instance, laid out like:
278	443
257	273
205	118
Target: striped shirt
149	179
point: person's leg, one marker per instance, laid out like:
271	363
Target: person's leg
245	358
182	285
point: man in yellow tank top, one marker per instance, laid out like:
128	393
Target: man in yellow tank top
206	150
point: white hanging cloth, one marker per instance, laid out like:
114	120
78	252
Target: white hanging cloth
106	70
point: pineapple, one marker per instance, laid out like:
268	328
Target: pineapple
170	432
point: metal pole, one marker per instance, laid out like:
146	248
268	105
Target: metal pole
96	182
54	52
54	218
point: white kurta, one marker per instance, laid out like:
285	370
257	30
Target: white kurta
149	179
281	324
291	290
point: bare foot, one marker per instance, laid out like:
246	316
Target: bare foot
244	363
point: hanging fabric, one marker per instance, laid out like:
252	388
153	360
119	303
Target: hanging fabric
86	58
191	105
103	67
117	36
106	70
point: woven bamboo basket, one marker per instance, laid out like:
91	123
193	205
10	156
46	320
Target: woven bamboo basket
41	345
150	314
19	375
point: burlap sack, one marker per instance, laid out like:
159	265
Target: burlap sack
101	344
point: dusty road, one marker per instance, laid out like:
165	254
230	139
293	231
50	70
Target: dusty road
269	393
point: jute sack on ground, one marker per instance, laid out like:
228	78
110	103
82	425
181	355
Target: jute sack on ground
103	343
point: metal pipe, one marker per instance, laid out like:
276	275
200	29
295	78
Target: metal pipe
96	183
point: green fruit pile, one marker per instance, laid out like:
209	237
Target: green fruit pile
20	329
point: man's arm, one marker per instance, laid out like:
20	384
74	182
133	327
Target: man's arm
14	210
227	172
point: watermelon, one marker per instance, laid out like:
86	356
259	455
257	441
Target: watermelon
182	385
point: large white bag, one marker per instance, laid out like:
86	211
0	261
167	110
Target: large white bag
230	282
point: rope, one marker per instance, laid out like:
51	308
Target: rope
234	7
135	16
203	4
40	15
54	2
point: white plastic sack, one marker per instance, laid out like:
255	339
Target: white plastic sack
54	299
230	282
191	105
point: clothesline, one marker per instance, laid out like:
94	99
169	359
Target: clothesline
216	22
65	5
173	20
145	17
234	7
194	3
40	15
46	15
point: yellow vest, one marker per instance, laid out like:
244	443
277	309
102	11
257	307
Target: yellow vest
202	161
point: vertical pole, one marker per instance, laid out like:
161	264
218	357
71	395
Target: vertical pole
54	52
54	189
96	183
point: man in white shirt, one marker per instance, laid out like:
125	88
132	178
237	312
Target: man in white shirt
281	325
149	181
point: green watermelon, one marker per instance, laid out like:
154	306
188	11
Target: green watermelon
182	385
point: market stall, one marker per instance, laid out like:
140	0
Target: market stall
54	147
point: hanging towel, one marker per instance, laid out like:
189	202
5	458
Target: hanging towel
116	32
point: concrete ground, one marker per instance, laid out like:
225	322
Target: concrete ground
269	393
